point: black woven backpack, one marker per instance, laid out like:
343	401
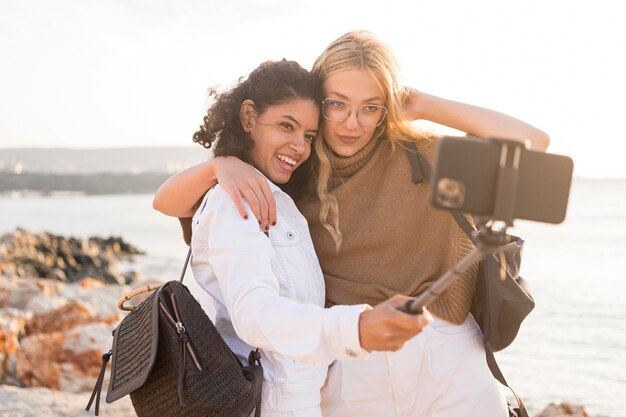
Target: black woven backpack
170	358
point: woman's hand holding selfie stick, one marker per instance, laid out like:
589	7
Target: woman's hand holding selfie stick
387	328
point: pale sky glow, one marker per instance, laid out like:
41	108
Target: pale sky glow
115	73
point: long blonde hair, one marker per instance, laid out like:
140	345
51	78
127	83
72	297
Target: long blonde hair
361	50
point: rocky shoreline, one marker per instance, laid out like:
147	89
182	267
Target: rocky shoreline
58	308
46	255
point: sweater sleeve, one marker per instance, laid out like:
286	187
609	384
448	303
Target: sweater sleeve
241	258
185	225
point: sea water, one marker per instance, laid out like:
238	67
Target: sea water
571	348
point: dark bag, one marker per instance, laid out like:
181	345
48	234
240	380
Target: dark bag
502	298
501	302
170	358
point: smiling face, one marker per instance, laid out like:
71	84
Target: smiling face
282	137
358	87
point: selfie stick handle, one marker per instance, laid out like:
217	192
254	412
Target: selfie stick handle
416	305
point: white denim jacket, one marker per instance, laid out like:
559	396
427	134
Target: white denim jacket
269	293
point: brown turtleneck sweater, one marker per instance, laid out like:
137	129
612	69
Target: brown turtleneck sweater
394	241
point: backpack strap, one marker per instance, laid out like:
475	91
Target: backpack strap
97	389
420	170
182	274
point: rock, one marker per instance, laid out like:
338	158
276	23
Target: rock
70	315
44	295
45	255
12	322
62	349
57	313
17	292
65	360
101	298
43	345
41	304
57	274
563	410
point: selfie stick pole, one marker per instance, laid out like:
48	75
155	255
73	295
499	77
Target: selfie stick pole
486	240
482	249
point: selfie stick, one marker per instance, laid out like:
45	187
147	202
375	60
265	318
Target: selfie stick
487	239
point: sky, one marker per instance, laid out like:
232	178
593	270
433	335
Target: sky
120	73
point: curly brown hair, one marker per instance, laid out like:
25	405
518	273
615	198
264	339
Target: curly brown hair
270	84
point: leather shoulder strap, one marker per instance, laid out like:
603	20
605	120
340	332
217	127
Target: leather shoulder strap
414	159
182	274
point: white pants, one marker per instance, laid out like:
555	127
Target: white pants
307	412
442	372
281	402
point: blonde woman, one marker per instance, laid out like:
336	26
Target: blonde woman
375	233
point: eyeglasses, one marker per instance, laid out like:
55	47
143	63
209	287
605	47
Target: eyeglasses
368	115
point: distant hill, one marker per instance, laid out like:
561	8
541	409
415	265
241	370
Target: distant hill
94	161
105	183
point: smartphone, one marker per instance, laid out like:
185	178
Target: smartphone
477	176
